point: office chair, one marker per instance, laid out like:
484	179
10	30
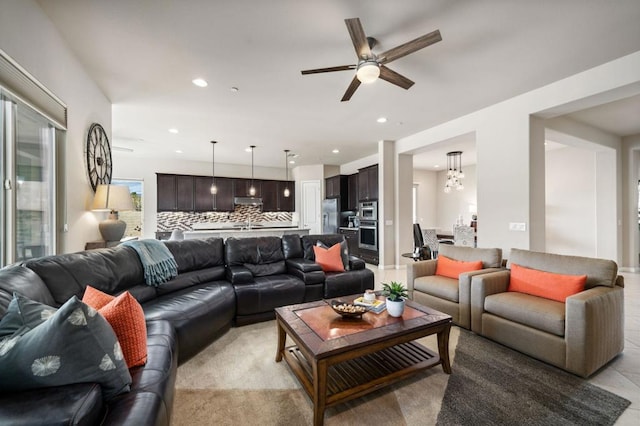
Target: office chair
423	251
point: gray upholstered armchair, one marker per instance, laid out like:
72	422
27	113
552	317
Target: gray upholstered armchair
580	335
448	295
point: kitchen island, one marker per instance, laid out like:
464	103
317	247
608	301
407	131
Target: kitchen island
244	231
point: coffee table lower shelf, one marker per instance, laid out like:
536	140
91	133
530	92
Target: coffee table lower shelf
356	377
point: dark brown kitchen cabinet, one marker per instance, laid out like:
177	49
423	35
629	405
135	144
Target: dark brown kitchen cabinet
269	195
166	192
352	192
241	187
335	187
203	196
273	199
184	193
224	197
368	183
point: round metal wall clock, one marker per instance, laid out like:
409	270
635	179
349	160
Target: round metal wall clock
99	164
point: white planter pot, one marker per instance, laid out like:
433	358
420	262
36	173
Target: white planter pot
395	308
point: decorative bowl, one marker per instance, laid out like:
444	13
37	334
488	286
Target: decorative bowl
348	310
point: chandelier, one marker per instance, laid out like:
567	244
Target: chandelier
454	172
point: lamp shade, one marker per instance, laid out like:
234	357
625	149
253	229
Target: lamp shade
112	198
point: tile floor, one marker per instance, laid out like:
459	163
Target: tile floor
622	375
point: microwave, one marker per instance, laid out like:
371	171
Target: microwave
369	210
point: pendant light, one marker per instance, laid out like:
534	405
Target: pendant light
252	188
286	166
214	188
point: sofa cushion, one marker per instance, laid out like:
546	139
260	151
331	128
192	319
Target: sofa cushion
191	278
110	270
439	286
72	345
24	281
598	271
126	317
309	241
533	311
491	257
344	252
329	259
292	246
453	268
197	254
545	284
76	404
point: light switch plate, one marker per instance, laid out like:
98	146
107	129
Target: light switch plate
517	226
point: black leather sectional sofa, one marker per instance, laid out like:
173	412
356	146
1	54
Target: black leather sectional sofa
219	284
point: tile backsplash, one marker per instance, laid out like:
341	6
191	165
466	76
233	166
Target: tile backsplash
168	221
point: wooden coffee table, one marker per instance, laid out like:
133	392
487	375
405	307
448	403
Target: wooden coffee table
338	359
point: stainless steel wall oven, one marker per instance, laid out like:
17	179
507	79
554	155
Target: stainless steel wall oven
368	234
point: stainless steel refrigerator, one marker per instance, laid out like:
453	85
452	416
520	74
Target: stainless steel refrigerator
330	216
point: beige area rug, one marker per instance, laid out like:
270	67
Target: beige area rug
236	381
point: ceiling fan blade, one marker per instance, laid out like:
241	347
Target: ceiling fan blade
409	47
329	69
355	83
394	78
358	38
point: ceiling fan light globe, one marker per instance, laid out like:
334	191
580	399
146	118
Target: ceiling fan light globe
368	71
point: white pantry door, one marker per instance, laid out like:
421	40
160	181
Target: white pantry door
311	209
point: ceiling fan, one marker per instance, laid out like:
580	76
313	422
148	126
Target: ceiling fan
371	66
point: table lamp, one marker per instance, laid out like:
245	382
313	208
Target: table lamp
112	198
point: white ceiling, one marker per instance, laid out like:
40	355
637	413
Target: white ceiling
144	54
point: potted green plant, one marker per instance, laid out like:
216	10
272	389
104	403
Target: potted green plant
396	294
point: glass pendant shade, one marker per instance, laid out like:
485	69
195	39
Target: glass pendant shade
252	188
214	188
454	172
287	193
368	71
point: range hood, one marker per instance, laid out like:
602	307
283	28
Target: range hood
247	201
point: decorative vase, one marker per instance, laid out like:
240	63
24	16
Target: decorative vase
395	308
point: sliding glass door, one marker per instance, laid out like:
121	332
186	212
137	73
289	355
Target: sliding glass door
27	146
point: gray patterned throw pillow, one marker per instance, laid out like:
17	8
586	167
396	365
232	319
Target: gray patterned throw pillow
48	348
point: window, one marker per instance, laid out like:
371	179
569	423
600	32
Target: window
133	218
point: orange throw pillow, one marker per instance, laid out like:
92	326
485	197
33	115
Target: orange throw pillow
330	260
126	317
545	284
452	268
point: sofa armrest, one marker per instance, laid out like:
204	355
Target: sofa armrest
302	265
239	275
483	285
594	328
355	263
464	294
419	269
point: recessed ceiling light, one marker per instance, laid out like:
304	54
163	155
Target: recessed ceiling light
248	149
292	162
234	89
178	151
436	166
382	120
336	151
200	82
173	130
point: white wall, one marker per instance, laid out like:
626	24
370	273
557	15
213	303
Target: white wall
427	197
506	166
27	35
570	202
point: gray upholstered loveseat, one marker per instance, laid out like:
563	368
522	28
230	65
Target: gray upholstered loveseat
448	295
580	335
